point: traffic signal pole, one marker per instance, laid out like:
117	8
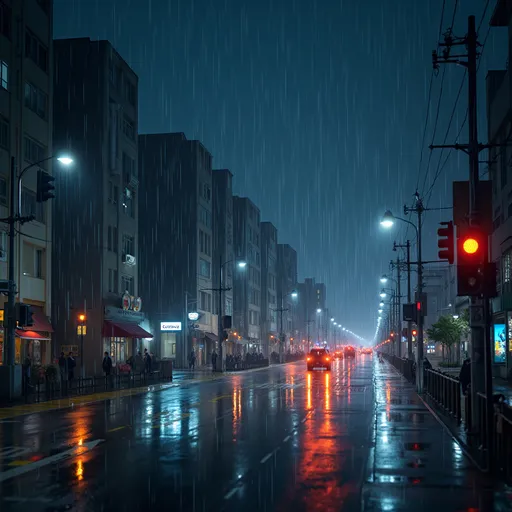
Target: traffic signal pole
398	336
479	317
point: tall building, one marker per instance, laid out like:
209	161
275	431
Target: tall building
176	245
286	285
312	312
223	253
271	309
26	105
95	235
499	131
247	286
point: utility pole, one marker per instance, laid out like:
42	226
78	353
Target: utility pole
399	313
282	335
479	317
418	208
407	247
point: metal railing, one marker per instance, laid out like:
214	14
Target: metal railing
445	391
234	365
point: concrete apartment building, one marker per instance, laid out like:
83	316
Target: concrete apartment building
247	283
286	284
223	250
270	305
26	106
499	131
176	245
95	235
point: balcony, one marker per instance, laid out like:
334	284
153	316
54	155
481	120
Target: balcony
33	288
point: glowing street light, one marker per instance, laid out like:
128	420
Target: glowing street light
382	294
65	160
387	220
294	294
381	304
242	264
318	310
383	279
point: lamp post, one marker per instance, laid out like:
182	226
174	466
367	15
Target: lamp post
388	221
14	379
82	330
281	310
220	328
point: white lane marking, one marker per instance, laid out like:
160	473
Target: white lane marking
72	452
230	494
262	461
304	420
286	439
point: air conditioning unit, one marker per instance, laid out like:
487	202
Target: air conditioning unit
129	259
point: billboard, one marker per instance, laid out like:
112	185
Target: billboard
500	343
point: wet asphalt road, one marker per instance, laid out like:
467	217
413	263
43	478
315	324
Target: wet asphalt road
273	439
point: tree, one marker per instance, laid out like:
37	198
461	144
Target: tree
448	331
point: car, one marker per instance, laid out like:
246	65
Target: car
349	352
338	354
367	351
319	359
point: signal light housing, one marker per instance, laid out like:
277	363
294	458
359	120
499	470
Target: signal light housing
446	242
45	187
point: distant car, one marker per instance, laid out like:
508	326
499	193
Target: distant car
349	352
338	354
367	351
319	359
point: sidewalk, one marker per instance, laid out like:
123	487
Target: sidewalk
414	462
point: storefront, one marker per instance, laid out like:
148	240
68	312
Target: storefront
168	339
33	342
122	333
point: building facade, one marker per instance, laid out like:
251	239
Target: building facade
224	264
95	230
312	312
247	284
286	285
26	106
271	310
499	131
176	234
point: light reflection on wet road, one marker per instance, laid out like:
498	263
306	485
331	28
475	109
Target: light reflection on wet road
275	439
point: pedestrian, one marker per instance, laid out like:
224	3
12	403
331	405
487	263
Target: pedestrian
192	360
214	360
27	366
63	369
107	368
147	362
465	376
138	363
71	369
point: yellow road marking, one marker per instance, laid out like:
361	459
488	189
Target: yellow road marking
116	429
18	463
216	399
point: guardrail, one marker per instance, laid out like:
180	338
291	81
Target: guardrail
240	365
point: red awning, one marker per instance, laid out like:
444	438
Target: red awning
124	330
41	322
30	335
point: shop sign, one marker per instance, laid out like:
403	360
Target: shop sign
193	317
500	343
131	303
123	315
69	348
170	326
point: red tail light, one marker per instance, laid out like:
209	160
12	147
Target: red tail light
308	358
327	359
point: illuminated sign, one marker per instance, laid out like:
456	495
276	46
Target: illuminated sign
170	326
500	343
193	316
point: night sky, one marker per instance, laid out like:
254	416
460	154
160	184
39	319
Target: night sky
317	107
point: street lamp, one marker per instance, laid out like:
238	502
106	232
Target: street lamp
332	319
13	377
318	310
241	264
382	294
383	279
281	310
294	294
387	220
380	311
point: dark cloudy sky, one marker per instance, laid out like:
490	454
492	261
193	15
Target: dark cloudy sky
317	107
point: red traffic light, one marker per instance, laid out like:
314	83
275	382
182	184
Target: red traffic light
470	245
414	332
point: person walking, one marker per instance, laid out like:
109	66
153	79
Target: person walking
63	370
71	369
214	360
107	369
192	360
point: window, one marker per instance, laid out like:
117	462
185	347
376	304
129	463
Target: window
128	245
36	100
257	257
112	73
128	169
3	245
205	192
4	75
34	151
228	307
36	51
254	297
205	216
113	193
205	302
256	238
127	284
129	202
205	268
39	263
129	92
3	191
112	280
29	205
254	318
249	233
503	166
128	128
5	20
205	243
4	133
112	239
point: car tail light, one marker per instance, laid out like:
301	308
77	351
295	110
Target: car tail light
308	358
327	359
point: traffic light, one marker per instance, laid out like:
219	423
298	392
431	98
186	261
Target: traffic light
24	314
446	242
45	186
81	318
475	275
410	312
414	332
